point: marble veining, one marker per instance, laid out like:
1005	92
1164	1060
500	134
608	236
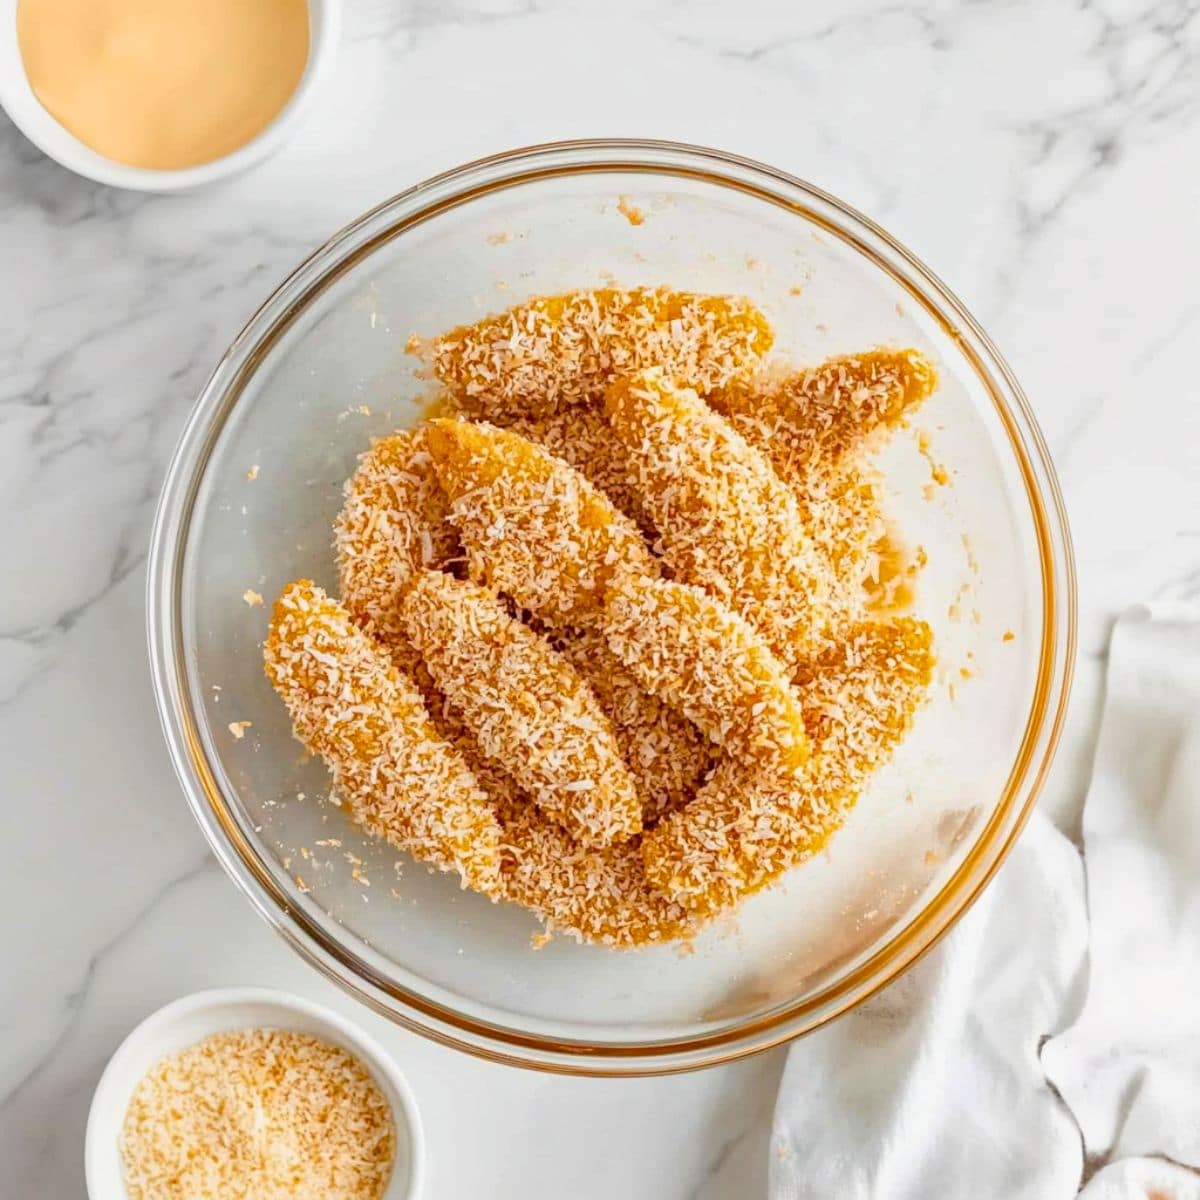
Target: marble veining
1041	157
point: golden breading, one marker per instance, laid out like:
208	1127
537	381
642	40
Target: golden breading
594	894
685	646
665	753
533	527
525	704
396	777
393	522
823	414
579	435
555	351
726	521
746	827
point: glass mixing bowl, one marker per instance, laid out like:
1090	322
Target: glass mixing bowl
321	368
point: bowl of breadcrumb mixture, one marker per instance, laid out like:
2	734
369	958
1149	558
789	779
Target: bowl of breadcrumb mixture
251	1094
612	608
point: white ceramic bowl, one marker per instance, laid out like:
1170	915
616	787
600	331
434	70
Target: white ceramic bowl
23	107
193	1018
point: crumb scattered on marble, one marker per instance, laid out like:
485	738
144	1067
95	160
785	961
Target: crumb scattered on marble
1008	636
252	598
499	239
252	474
795	290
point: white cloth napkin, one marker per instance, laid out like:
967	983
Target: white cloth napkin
1035	1051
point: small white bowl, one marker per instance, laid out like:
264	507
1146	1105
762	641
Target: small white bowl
193	1018
18	100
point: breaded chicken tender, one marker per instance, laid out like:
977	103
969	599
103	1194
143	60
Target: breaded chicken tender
685	646
593	894
556	351
825	413
747	826
533	527
526	705
666	754
393	522
725	519
396	776
579	435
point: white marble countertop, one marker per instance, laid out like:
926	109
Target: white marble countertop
1041	157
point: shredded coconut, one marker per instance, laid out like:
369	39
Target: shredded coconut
258	1114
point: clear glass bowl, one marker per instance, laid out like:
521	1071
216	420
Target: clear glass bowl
321	368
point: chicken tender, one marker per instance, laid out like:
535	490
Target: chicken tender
823	414
394	521
581	436
526	705
533	527
396	777
726	521
665	753
593	894
746	827
557	351
686	647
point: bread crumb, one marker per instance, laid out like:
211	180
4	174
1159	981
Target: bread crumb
630	211
238	729
258	1112
499	239
252	474
252	598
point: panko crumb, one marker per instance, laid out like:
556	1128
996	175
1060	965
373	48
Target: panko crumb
238	729
252	598
252	473
630	211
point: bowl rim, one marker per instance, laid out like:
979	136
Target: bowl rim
318	1020
54	140
217	400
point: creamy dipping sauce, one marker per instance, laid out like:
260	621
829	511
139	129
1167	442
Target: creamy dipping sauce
163	84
